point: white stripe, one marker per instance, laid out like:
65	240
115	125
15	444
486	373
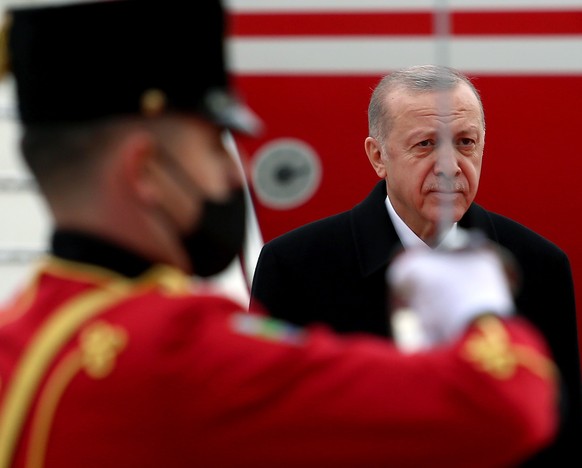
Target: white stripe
394	5
367	55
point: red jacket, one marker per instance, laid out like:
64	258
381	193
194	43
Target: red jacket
97	370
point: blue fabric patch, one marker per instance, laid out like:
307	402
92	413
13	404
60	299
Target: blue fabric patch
267	328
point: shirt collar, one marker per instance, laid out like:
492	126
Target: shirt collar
406	235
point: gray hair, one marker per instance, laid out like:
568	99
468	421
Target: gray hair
419	78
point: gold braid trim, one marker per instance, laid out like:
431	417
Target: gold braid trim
61	326
99	345
56	384
492	351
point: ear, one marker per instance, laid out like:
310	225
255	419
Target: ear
374	152
137	153
147	181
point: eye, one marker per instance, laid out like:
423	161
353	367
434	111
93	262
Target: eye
425	143
465	142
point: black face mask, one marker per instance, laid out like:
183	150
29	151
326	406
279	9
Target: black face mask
220	232
218	237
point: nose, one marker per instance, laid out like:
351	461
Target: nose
446	163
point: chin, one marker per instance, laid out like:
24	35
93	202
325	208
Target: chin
435	213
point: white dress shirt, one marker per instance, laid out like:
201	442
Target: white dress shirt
408	238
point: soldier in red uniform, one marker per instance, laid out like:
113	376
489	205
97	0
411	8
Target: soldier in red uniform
112	357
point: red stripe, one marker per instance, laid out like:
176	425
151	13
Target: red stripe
330	24
400	23
508	23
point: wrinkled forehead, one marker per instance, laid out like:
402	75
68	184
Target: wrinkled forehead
444	104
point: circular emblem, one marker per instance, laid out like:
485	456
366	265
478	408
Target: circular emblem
286	173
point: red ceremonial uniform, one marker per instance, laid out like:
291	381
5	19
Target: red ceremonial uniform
101	370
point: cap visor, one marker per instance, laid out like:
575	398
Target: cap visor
238	118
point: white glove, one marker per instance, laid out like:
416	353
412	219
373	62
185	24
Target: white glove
446	290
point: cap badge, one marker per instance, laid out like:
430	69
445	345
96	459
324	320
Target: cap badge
153	102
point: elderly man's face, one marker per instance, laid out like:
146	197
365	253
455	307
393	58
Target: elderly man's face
422	169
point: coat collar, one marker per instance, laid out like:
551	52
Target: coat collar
479	218
374	235
375	238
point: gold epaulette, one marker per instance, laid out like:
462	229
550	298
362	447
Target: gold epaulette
491	350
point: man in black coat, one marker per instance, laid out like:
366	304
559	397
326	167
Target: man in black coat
427	131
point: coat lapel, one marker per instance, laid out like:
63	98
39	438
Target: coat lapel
375	238
374	235
477	217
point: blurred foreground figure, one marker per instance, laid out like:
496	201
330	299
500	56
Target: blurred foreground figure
112	356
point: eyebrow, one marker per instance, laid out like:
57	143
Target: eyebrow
421	134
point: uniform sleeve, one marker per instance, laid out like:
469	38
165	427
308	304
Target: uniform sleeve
263	393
